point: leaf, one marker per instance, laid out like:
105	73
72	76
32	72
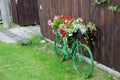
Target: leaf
102	1
108	1
114	8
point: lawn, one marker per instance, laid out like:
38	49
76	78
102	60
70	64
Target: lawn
38	62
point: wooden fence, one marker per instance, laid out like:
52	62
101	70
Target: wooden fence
107	50
24	12
14	13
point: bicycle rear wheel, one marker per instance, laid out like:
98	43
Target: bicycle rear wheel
80	62
58	46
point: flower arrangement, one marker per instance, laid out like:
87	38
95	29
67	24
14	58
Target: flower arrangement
58	20
68	26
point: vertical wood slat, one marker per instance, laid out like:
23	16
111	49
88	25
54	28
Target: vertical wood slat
41	15
94	13
24	12
101	40
13	8
117	38
45	14
107	49
74	8
28	12
109	24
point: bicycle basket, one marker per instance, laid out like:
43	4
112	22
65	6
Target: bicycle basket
77	35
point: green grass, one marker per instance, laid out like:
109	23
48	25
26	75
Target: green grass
39	63
12	25
1	26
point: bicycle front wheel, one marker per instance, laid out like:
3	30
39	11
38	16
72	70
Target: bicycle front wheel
80	62
58	46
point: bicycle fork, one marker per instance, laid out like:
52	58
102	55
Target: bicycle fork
65	50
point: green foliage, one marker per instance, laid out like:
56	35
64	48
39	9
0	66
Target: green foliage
101	1
12	25
0	19
34	40
110	77
108	1
114	8
57	22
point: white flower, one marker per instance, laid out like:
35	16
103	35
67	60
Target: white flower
70	34
66	21
56	17
42	41
69	21
80	19
83	29
77	20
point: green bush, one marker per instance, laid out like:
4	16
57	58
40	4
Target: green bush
34	40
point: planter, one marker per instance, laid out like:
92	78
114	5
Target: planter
77	35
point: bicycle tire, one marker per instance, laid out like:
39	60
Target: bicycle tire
80	64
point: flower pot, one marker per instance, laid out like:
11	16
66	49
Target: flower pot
77	35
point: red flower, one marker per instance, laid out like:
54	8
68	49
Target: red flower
52	19
63	34
70	19
67	27
65	22
49	27
65	17
61	18
62	30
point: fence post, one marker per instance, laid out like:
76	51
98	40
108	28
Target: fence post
5	13
0	15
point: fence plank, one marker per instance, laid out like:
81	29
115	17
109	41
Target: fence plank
24	12
28	12
107	50
116	47
13	8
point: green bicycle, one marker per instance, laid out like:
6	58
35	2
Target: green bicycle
77	51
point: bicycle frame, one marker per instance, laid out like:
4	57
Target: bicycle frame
66	50
76	45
